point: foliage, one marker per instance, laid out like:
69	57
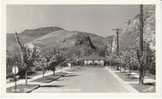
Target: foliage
129	39
54	58
129	59
32	56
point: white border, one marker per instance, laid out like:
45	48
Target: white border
77	95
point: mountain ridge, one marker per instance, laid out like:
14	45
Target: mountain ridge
78	42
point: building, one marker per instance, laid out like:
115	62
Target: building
92	60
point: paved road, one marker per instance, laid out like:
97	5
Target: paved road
85	79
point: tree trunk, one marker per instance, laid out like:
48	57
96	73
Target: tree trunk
129	69
120	68
26	77
54	72
110	63
43	72
141	76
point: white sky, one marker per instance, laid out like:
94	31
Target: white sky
99	19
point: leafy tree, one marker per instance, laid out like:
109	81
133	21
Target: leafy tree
29	54
54	58
42	63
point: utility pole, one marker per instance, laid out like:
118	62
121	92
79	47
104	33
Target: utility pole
141	69
117	39
141	29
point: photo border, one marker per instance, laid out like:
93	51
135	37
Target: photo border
4	3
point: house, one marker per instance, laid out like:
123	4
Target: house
92	60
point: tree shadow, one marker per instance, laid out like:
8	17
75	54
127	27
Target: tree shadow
69	75
57	86
151	83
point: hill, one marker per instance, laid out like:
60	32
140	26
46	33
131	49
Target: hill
71	43
27	36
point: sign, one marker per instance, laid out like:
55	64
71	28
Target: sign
69	64
15	69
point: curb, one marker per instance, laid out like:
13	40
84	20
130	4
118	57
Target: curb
124	84
33	89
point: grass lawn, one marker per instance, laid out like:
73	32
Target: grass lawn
50	78
147	87
21	88
125	77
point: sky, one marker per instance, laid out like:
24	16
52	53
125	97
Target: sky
99	19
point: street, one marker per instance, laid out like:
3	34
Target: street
85	79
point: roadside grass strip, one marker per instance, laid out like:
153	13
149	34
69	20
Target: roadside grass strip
132	79
47	79
50	78
35	82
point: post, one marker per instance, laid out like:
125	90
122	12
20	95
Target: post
117	34
141	69
141	28
15	82
117	41
26	78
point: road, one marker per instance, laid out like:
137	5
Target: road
85	79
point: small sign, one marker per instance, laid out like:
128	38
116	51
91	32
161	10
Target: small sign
69	64
15	69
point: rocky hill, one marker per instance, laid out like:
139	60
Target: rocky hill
129	38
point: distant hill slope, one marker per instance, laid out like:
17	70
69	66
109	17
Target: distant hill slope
40	31
71	43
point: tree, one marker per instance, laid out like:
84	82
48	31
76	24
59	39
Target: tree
29	54
52	64
54	58
129	59
42	63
